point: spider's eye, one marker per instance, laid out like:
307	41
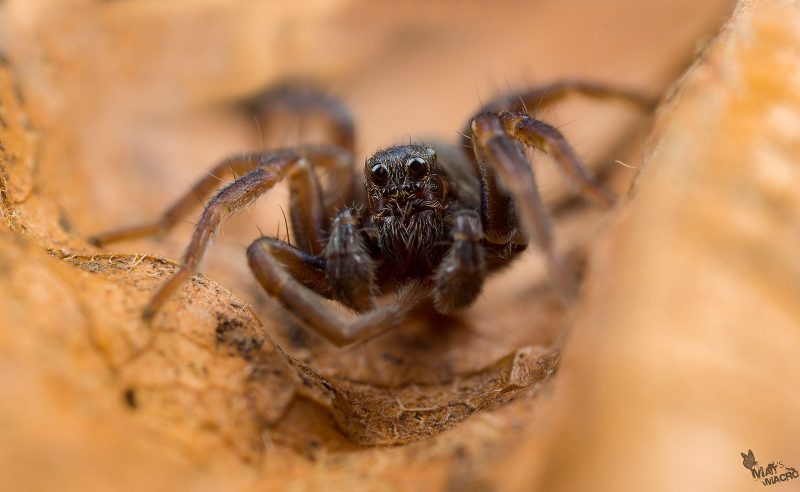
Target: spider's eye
379	174
416	167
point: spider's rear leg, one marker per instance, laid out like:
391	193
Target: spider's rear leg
302	101
497	153
536	98
310	307
311	215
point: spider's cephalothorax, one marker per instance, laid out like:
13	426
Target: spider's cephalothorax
407	198
430	223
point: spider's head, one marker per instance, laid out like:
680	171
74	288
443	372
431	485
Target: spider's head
404	180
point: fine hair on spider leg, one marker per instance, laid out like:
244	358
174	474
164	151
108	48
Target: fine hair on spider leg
231	199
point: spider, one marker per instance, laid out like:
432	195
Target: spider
430	221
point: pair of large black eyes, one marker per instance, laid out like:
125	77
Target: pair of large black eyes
416	168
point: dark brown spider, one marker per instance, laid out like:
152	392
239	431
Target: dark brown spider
428	221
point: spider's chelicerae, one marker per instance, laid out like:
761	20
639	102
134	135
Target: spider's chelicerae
428	221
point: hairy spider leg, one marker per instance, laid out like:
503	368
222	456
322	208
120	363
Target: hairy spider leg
345	273
546	138
536	98
234	165
497	153
488	133
304	100
309	219
273	167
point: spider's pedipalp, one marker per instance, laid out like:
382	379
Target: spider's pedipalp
310	307
459	277
350	270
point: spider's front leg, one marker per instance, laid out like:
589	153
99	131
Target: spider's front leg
349	273
513	108
228	201
498	155
494	134
272	168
